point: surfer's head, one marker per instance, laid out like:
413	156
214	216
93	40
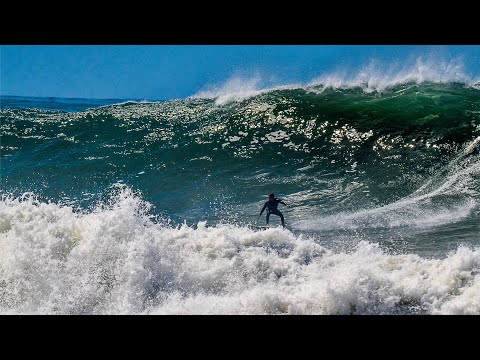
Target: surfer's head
271	196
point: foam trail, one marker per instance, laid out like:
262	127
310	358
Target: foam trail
117	260
470	147
416	210
390	216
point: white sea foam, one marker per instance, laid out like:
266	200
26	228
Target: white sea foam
374	76
404	213
116	259
471	146
419	209
237	88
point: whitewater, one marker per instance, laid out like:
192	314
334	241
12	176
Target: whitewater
146	207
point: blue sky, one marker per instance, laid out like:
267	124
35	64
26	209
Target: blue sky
156	72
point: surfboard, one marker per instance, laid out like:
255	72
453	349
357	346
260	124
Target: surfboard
265	227
260	227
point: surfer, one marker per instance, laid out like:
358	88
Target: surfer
272	205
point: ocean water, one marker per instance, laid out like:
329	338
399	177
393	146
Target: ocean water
125	207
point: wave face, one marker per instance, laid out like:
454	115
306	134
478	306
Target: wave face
147	207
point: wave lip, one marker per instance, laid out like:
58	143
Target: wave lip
373	77
237	89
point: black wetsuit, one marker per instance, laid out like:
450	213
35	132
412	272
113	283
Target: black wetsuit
272	209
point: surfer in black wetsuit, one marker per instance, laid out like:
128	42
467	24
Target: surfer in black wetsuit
272	205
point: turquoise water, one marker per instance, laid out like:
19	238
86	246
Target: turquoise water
149	205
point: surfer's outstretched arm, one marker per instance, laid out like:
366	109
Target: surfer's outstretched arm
261	212
284	203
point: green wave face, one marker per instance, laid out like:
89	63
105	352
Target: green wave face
328	151
383	187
